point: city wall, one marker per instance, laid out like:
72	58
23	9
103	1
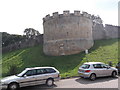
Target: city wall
105	32
71	33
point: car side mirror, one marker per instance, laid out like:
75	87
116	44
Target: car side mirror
24	75
108	67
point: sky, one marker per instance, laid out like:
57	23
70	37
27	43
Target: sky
17	15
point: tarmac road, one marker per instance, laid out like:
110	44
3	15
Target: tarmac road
104	82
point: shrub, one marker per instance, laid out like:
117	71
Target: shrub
12	70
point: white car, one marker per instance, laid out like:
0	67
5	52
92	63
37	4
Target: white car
31	76
96	69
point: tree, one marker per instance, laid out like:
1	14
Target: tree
8	39
31	33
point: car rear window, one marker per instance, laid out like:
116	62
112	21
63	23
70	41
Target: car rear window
85	66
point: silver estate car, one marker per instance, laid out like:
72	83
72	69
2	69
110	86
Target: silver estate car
96	69
31	76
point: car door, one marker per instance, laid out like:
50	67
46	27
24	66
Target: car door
106	70
98	70
28	78
41	76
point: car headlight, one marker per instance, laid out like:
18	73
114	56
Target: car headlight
2	83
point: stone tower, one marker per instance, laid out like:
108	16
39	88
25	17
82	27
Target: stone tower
67	33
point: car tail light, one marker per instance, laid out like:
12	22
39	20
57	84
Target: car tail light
87	71
80	70
58	75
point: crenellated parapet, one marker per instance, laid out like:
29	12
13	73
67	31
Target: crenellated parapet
68	14
55	14
77	13
112	25
47	17
95	19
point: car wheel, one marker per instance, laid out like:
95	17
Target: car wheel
50	82
92	77
13	86
114	74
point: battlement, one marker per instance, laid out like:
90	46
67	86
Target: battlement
67	13
112	25
55	14
77	13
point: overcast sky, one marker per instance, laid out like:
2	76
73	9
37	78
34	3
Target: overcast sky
17	15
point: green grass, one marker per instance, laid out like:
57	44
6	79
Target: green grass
103	51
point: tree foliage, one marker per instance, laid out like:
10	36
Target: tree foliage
31	33
8	39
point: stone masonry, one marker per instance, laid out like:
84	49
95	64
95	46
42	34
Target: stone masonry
105	32
67	33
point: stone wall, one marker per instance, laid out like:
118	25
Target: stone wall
66	47
111	31
23	44
107	32
98	32
67	33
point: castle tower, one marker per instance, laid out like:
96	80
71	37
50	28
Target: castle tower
67	33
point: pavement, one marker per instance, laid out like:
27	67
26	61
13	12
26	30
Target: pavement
104	82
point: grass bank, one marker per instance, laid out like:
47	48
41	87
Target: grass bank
103	51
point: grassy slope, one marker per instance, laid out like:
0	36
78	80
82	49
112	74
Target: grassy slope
103	50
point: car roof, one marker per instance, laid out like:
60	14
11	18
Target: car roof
38	68
93	63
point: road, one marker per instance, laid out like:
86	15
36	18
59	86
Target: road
105	82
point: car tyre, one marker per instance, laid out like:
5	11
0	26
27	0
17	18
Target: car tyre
13	86
92	77
50	82
114	74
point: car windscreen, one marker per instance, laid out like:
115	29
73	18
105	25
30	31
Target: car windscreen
85	66
20	74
